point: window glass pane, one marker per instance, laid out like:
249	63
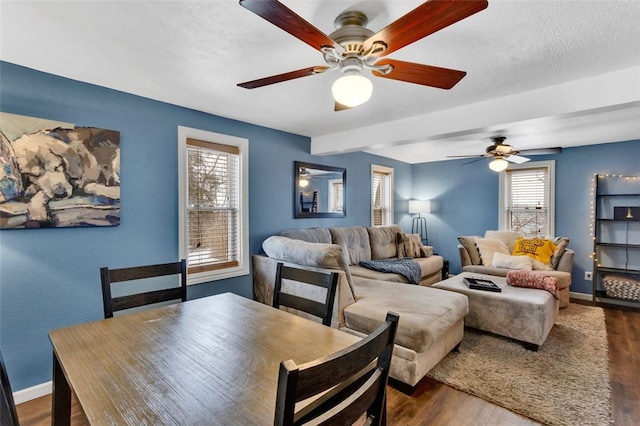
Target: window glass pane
527	201
212	207
381	191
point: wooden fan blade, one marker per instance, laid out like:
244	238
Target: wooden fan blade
426	75
340	107
426	19
283	17
541	151
283	77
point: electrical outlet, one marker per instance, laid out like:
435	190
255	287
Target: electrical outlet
588	276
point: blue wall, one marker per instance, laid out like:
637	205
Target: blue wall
49	277
465	199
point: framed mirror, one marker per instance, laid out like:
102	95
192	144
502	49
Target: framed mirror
319	190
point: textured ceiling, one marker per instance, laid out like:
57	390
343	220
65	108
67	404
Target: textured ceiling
194	53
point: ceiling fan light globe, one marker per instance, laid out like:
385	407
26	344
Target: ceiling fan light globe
498	165
352	90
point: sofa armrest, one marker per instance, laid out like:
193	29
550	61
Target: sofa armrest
565	264
264	276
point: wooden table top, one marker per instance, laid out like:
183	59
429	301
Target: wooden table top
213	360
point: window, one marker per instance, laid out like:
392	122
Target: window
213	215
527	194
381	195
335	195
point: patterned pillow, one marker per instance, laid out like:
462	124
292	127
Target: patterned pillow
561	243
537	248
408	245
469	243
533	279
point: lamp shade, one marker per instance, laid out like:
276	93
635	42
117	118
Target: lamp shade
419	206
498	165
352	89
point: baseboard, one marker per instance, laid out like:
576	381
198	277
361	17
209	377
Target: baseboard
580	296
33	392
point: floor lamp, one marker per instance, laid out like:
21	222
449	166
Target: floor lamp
419	223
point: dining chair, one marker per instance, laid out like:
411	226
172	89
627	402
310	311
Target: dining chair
345	385
8	413
110	276
316	278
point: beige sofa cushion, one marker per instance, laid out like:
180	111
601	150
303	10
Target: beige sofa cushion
425	313
311	235
383	241
329	256
354	241
429	266
508	261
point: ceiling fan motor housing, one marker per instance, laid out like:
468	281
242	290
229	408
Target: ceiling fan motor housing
351	32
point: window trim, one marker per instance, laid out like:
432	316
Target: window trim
375	168
550	165
243	238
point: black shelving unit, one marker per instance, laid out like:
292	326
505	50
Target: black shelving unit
616	247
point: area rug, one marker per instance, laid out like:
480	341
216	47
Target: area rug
565	383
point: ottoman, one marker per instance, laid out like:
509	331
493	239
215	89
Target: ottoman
523	314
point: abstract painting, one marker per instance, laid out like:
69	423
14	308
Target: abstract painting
54	174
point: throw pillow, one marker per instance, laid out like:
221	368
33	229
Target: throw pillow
537	248
469	243
501	260
533	279
561	243
408	245
507	237
487	248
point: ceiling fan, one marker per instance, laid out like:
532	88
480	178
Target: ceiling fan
503	153
353	48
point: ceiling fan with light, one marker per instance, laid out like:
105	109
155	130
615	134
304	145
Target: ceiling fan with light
353	48
503	154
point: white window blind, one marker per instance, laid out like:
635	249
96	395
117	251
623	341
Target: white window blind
381	196
213	205
527	201
336	198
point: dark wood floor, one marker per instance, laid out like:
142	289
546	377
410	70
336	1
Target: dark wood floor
435	404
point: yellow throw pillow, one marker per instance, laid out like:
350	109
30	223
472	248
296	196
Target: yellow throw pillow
536	248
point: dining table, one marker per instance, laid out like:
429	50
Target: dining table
207	361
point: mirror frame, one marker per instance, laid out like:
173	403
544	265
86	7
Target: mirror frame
297	211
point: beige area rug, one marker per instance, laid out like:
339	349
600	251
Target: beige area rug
565	383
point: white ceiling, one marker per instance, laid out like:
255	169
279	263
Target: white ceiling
543	73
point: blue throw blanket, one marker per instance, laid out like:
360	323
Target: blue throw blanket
405	267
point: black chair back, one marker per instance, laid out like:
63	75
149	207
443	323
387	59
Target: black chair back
8	414
327	280
110	276
349	383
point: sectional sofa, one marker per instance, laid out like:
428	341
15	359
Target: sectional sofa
431	320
